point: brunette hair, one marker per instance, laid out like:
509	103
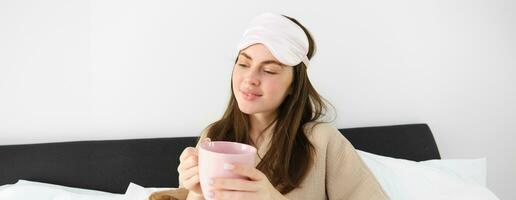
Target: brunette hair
291	154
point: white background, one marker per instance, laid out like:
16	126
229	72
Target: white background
93	70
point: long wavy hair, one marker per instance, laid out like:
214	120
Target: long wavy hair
291	154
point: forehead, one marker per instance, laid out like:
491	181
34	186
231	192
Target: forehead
258	52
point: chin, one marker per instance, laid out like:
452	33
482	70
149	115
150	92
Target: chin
247	110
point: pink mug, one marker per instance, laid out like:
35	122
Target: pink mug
213	156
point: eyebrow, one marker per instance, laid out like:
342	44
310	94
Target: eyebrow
263	62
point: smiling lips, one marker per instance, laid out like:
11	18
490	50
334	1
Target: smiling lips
250	96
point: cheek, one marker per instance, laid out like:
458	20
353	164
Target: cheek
278	89
235	79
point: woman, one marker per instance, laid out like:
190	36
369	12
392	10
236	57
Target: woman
274	107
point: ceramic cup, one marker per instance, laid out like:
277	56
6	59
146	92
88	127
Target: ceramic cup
213	156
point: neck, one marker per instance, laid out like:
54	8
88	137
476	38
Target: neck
259	123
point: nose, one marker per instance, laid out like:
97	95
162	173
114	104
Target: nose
252	78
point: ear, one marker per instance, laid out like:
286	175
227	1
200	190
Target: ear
289	91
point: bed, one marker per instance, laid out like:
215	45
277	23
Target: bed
110	165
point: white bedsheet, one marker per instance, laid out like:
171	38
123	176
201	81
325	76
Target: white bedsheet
23	190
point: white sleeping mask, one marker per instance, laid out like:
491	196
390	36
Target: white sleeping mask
286	40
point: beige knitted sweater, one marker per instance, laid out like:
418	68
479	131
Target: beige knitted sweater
338	172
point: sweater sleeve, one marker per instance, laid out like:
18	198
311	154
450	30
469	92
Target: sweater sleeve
347	176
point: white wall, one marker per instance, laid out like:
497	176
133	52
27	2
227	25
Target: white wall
92	70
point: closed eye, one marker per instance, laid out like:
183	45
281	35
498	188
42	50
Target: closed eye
266	71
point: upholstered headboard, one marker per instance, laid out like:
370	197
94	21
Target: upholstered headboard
110	165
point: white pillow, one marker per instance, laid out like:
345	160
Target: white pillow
436	179
468	169
23	190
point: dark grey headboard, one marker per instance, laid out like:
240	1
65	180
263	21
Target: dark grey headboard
110	165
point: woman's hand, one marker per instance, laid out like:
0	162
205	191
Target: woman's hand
257	188
189	170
